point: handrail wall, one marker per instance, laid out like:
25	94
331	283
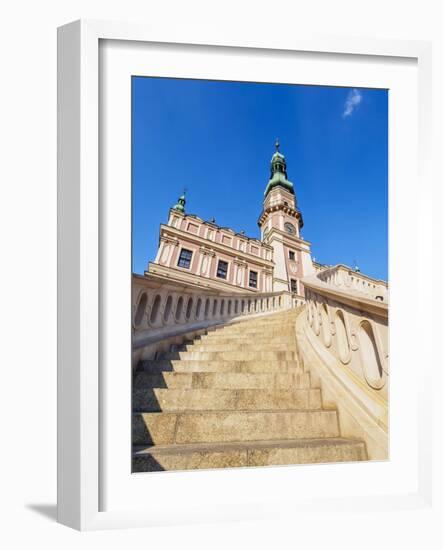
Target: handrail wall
163	309
343	340
342	277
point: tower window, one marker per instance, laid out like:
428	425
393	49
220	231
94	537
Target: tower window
222	269
292	255
294	286
253	279
185	258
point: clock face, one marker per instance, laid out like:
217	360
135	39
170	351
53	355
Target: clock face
289	228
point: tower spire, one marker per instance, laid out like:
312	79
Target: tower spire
279	175
180	206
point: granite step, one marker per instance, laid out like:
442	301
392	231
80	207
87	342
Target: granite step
221	380
235	355
163	428
254	453
232	366
202	399
256	332
256	325
242	346
262	319
241	338
260	323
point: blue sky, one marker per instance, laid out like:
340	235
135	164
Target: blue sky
216	140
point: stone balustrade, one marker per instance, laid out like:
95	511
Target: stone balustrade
342	339
342	277
164	310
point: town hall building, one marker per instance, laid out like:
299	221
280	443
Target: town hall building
201	252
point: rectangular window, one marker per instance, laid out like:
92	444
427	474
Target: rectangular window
253	279
291	255
222	269
294	286
185	258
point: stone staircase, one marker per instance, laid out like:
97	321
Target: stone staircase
234	397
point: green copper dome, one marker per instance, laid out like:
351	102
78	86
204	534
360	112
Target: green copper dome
279	175
180	206
277	156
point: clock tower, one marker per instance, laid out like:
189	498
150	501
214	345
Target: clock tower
280	223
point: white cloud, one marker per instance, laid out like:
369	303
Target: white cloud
352	102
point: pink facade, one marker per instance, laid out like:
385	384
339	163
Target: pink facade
218	255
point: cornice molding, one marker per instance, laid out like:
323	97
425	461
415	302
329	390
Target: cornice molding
169	240
206	251
239	262
288	210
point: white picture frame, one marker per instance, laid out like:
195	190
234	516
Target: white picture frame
80	394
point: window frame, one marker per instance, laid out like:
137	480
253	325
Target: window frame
180	258
256	279
225	278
